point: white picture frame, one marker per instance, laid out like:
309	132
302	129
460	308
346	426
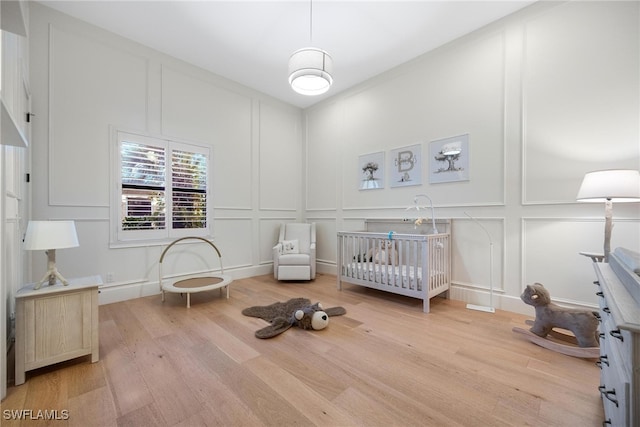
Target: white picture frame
449	159
371	171
405	165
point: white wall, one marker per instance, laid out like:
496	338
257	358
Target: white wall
545	95
85	83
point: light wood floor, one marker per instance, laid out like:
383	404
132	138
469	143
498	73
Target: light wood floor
385	363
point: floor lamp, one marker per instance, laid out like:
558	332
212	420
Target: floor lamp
607	186
49	236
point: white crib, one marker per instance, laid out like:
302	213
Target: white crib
421	269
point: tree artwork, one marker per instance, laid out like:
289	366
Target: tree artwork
369	170
450	159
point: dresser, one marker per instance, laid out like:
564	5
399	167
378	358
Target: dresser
56	323
619	300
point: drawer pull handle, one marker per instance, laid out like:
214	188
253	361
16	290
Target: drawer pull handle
600	294
603	359
602	335
606	310
617	334
597	283
605	422
608	394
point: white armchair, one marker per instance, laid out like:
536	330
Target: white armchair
294	257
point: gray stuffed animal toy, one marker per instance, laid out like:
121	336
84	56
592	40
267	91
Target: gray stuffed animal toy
583	323
295	312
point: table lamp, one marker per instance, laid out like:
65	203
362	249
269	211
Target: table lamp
49	236
619	185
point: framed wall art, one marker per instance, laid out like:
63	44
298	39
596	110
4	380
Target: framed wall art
449	159
371	171
406	166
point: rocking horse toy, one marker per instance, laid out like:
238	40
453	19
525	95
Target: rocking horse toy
582	323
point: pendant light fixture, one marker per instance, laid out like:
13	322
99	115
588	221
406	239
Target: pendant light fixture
310	68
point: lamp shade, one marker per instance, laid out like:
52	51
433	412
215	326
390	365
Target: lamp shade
310	71
619	185
45	235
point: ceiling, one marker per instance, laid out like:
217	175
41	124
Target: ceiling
250	41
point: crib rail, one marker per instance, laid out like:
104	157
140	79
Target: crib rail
413	265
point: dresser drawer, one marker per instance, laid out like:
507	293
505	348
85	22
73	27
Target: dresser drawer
614	390
620	341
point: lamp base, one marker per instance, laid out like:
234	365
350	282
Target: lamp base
481	308
51	276
608	226
52	272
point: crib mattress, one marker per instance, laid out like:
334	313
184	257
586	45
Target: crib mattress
401	276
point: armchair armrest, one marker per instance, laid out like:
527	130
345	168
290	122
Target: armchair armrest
312	255
277	251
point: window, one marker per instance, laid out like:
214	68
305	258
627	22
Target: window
163	188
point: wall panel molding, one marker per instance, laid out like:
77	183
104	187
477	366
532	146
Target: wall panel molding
76	63
199	110
575	53
548	257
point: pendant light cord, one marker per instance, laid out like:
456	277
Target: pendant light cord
311	22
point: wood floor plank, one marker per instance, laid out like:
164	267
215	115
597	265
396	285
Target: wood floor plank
148	415
125	381
384	363
302	395
96	404
268	406
219	404
173	398
82	378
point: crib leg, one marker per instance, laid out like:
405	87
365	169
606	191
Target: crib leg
188	300
425	305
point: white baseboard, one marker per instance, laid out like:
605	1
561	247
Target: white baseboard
477	296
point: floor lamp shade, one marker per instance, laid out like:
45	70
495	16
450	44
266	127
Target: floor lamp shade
619	185
310	71
49	236
608	186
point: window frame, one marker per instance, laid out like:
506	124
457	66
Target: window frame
121	237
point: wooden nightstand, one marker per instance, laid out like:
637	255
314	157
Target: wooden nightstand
56	323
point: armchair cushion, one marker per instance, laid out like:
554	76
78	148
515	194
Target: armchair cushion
294	259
